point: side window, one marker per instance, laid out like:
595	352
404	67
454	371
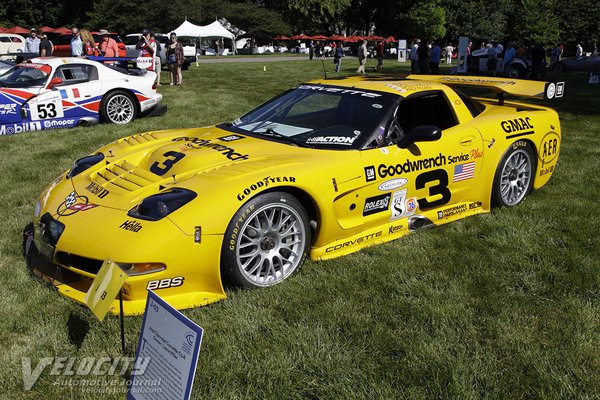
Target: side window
77	73
427	108
4	39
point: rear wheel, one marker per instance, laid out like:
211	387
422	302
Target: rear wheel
516	71
118	107
266	241
514	176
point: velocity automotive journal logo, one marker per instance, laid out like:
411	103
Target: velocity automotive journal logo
91	374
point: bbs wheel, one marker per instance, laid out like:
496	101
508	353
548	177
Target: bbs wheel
514	176
118	107
266	241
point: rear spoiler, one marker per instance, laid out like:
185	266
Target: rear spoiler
501	86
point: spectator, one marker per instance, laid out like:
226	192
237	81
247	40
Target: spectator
311	50
578	51
76	43
32	43
423	58
509	56
89	44
380	52
538	61
594	49
469	46
337	56
217	48
157	61
362	57
108	46
145	47
414	57
492	61
46	48
175	59
449	50
499	49
435	57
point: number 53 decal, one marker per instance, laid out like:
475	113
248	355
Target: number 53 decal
440	190
46	107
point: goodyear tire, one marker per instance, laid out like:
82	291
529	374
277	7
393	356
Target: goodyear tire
514	176
266	241
118	107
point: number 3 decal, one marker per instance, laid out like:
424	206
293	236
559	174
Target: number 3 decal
171	158
439	175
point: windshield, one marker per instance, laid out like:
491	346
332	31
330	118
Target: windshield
320	116
25	75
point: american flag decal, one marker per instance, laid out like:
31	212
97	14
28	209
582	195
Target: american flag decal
464	171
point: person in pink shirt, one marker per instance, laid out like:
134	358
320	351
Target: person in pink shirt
108	46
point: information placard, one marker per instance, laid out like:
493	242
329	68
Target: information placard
105	287
171	342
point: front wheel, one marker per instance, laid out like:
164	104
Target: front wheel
118	107
514	176
266	241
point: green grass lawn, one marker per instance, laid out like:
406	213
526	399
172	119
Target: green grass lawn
502	305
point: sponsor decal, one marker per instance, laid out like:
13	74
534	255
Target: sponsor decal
73	203
560	89
377	204
475	204
230	138
516	125
339	90
8	109
131	225
394	229
449	212
238	224
354	242
97	190
472	155
64	123
411	166
370	173
264	183
549	148
476	80
401	206
11	129
197	143
342	140
464	171
550	90
547	170
392	184
165	283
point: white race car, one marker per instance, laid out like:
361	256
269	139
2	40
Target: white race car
54	92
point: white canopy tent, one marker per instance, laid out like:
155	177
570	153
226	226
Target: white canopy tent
214	30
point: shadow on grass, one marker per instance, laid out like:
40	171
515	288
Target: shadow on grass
77	328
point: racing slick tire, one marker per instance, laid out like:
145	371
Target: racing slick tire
118	107
514	177
266	241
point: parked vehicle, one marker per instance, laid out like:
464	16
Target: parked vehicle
590	63
11	43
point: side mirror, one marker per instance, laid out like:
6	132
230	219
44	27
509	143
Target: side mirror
54	82
421	133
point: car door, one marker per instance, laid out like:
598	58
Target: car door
400	182
80	90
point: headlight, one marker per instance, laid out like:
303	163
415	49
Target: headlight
84	163
51	229
160	205
142	268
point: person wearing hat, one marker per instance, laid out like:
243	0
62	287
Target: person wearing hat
108	46
146	47
32	43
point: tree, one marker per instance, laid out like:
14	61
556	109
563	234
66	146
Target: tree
536	23
426	20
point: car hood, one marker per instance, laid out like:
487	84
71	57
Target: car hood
201	159
11	101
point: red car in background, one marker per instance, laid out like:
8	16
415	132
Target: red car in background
62	44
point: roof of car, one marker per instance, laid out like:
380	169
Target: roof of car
57	61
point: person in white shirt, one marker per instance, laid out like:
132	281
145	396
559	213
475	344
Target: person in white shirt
76	43
414	57
32	43
449	50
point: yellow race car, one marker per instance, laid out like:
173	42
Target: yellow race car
322	170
